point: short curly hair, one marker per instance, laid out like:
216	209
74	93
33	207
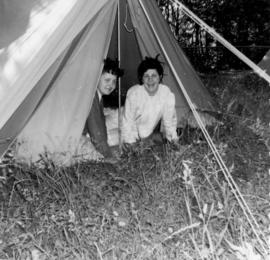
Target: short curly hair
112	67
150	63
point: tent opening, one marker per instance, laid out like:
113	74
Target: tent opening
47	103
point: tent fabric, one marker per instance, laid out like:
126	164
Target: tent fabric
265	63
130	54
50	67
27	54
23	62
69	99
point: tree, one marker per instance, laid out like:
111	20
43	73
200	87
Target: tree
245	24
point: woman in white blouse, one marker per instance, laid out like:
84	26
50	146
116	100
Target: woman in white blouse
148	104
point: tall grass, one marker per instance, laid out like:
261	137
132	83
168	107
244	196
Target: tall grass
158	203
174	205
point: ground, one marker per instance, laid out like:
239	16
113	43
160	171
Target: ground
159	202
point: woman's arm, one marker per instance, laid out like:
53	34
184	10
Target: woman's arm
169	118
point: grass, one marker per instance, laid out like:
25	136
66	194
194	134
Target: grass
158	203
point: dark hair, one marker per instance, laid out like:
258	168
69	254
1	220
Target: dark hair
150	63
112	67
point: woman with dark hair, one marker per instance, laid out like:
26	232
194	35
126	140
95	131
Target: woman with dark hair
95	124
149	104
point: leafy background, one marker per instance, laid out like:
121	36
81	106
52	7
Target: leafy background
245	24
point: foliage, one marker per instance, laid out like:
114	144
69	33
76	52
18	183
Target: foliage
245	24
244	105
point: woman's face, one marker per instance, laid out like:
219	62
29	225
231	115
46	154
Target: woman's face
151	80
107	83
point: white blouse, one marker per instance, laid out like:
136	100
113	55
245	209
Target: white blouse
142	113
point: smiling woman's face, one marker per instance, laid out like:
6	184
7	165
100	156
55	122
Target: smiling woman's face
151	81
107	83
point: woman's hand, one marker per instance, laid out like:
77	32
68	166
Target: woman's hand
175	144
126	147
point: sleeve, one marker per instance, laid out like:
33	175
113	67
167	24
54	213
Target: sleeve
169	119
129	127
97	130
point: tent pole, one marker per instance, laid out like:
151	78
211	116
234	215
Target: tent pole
119	81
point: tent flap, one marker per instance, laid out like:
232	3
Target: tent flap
59	120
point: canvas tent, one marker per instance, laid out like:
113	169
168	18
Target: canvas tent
51	55
265	63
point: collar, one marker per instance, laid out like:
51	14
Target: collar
99	95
